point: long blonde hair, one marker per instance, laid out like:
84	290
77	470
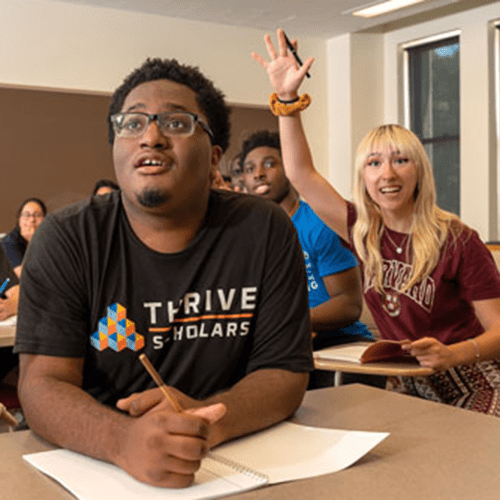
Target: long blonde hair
430	225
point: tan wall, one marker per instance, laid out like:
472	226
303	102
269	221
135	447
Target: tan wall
76	47
365	90
479	191
53	146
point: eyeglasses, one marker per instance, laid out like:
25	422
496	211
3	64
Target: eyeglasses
36	215
172	124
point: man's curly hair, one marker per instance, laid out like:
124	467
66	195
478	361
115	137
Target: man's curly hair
259	139
209	99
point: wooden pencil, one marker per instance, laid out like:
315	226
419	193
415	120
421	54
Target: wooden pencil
159	382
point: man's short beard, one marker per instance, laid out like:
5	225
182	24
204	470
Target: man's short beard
152	198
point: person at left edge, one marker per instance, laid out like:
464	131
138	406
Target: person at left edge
212	282
30	215
8	307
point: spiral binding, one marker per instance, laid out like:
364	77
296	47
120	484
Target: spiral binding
240	468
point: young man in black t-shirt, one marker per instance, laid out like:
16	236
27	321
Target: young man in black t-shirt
209	284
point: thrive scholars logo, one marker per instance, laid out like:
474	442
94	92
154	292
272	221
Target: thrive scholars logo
117	332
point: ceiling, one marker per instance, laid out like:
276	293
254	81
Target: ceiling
318	18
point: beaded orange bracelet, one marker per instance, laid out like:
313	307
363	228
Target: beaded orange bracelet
285	108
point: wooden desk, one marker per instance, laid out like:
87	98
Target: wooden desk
385	368
434	451
7	335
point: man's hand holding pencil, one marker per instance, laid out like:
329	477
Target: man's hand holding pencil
165	443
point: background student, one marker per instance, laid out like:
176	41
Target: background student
209	284
428	278
334	286
29	217
9	284
104	186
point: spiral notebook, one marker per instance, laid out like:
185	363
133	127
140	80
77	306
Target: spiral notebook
284	452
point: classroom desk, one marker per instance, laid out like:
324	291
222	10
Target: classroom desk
7	335
379	368
384	368
434	451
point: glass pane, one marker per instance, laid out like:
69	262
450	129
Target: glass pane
445	159
435	90
435	115
445	90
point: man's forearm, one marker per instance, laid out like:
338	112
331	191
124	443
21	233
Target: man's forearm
259	400
67	416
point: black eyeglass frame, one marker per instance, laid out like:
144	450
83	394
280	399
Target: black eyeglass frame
154	117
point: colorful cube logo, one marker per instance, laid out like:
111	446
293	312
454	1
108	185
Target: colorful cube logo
117	332
135	342
99	340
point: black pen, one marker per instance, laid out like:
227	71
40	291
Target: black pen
294	52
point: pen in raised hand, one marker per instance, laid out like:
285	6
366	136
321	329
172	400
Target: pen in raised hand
294	52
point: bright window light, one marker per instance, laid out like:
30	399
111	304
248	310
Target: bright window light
384	7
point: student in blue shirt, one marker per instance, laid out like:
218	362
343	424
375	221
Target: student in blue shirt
334	285
333	282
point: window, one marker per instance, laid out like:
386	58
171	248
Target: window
495	78
434	112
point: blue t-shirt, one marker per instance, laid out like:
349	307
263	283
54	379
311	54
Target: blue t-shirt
324	255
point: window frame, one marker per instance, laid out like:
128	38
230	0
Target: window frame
429	41
406	67
494	68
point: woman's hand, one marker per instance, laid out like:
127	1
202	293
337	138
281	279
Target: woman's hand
432	353
284	73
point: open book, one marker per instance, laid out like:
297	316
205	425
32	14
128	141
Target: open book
284	452
365	352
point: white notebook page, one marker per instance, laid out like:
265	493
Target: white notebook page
284	452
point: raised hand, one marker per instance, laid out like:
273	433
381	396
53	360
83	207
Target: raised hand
284	73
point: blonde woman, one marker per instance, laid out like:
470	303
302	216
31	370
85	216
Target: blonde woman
428	278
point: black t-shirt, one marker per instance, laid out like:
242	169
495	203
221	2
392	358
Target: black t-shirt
234	301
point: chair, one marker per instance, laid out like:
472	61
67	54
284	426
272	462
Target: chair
8	396
367	318
494	248
10	407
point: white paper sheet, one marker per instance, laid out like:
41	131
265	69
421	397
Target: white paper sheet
284	452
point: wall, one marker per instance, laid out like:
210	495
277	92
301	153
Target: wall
478	191
45	148
355	100
365	90
57	45
54	145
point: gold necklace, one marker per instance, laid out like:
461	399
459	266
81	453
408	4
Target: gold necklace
399	248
